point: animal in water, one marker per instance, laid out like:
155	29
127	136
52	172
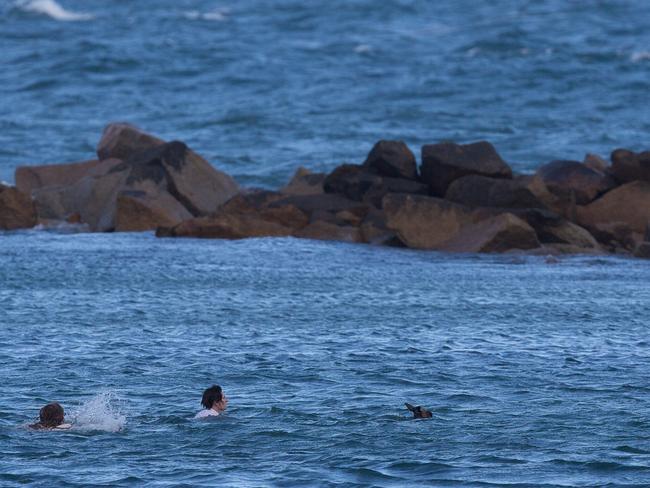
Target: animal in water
419	412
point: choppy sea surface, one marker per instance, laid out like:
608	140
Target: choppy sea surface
536	370
259	87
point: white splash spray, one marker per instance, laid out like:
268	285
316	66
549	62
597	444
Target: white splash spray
101	412
51	9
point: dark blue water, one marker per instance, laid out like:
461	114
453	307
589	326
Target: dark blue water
536	372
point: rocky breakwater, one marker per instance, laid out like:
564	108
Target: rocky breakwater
138	182
461	198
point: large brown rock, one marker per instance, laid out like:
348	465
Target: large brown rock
172	182
392	159
498	234
322	204
554	230
92	198
482	191
572	181
304	182
328	231
139	211
356	183
629	166
16	209
187	176
445	162
226	226
121	141
424	222
30	178
374	230
351	181
628	204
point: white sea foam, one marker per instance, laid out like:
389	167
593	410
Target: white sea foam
218	15
363	49
51	9
101	412
639	56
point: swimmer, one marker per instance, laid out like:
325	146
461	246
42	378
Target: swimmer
419	412
214	401
51	417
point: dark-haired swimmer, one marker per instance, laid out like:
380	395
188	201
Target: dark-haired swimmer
51	416
214	402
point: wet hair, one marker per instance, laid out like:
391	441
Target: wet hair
211	396
50	416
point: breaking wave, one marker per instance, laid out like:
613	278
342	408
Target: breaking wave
52	9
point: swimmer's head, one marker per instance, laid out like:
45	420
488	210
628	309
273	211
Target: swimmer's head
51	415
214	398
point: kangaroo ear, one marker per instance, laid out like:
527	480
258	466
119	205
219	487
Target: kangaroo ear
410	407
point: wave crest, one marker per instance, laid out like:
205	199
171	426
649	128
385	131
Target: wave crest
52	9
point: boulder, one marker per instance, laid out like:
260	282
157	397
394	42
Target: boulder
392	159
445	162
374	230
187	176
167	183
483	191
17	209
30	178
351	181
356	183
121	141
226	226
628	204
642	250
139	211
328	231
304	182
92	198
628	166
498	234
572	181
250	201
552	229
315	205
422	222
595	162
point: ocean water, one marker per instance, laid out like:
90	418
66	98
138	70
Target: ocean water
259	87
536	370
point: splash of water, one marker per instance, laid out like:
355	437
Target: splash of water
51	9
101	412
